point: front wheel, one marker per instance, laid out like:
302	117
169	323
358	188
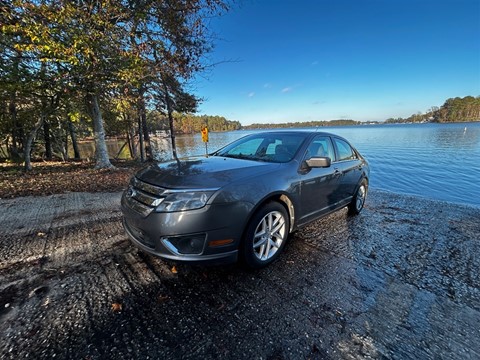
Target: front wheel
359	198
265	236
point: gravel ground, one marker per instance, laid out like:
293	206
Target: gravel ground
399	281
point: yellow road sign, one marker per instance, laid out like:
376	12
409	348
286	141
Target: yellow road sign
205	134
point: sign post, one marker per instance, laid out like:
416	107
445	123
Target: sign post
205	138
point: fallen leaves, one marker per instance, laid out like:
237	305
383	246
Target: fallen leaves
162	298
117	307
49	178
174	270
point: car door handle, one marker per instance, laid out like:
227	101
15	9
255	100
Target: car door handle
337	172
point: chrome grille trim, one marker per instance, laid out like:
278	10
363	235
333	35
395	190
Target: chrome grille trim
138	206
146	187
143	197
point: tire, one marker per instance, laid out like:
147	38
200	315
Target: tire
266	235
358	201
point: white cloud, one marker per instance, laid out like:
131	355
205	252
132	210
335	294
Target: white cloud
287	89
252	94
267	85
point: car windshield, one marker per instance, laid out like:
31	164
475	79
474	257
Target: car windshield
269	147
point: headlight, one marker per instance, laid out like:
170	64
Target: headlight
179	201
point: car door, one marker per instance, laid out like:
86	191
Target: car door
318	186
348	167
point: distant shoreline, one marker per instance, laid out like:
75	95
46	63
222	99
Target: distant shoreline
309	124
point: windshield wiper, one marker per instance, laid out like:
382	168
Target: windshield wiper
238	156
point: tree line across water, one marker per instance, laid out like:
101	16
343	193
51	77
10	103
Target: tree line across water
303	124
453	110
191	123
55	139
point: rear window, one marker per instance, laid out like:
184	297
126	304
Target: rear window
344	150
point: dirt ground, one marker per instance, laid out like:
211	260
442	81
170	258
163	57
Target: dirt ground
399	281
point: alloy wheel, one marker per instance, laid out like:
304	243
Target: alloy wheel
269	235
361	195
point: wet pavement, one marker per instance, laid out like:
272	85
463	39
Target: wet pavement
399	281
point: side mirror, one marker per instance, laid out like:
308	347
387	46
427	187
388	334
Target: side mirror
319	162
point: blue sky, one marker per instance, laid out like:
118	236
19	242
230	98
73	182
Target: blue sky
286	60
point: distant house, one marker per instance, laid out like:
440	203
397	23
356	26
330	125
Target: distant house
162	133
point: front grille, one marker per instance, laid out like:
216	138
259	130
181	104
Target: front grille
149	188
146	193
144	197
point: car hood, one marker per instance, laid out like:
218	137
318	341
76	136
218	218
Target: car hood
202	172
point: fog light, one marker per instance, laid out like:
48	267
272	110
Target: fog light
185	245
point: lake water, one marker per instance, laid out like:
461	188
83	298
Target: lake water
439	161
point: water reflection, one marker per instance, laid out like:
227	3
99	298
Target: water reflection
117	148
161	148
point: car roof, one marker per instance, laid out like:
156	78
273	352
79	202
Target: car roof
294	131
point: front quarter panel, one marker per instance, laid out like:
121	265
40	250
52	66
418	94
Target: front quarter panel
255	190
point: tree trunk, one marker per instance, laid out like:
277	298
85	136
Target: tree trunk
5	152
73	136
60	143
17	139
30	140
140	140
131	143
146	136
121	149
170	120
65	137
172	134
12	109
48	143
102	160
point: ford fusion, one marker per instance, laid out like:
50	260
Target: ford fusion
243	201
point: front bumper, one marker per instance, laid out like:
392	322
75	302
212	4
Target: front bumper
210	235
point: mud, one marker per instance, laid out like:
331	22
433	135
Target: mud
399	281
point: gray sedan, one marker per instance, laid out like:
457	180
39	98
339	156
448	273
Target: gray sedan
243	201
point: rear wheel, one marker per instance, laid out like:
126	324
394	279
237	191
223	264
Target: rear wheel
266	235
358	201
